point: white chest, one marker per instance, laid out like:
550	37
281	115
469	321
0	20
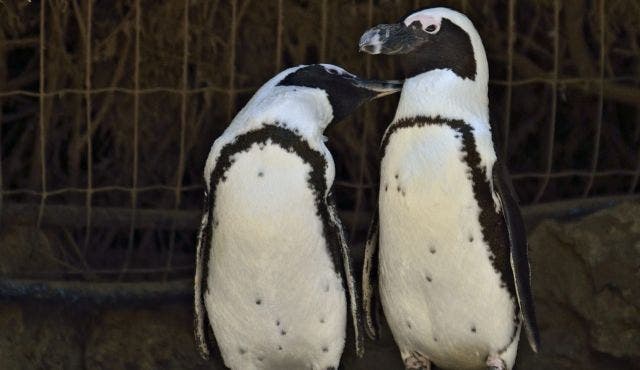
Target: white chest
274	298
440	292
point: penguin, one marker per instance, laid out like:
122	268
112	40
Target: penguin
447	250
274	285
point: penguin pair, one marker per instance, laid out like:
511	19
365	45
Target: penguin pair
446	255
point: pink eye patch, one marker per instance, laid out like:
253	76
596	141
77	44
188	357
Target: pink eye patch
425	21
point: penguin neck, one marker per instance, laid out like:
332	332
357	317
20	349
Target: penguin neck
304	110
442	93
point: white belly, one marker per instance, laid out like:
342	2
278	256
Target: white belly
274	298
440	292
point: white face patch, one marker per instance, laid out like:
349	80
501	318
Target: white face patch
429	23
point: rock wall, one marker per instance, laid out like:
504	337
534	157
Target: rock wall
586	281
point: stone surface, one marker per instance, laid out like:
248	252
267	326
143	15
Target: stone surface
143	338
37	336
586	281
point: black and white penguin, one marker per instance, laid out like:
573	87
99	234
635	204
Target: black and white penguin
274	281
448	253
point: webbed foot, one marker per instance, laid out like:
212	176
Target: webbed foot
494	362
417	361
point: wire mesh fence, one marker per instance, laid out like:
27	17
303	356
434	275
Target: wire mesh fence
109	109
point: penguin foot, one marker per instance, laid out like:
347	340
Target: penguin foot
494	362
416	361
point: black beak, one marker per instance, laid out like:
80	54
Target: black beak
378	88
388	39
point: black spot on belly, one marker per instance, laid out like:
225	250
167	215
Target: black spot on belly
326	288
432	249
435	339
325	349
471	239
386	187
277	322
473	328
322	321
242	351
399	190
279	348
396	176
408	325
258	301
283	332
260	174
260	359
429	278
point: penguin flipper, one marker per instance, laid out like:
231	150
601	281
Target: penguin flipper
205	340
347	275
518	253
370	279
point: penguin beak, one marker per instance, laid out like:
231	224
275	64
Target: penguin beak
388	39
378	88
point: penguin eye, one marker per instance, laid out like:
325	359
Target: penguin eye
432	28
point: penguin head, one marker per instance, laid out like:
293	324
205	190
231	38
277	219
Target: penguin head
344	91
431	39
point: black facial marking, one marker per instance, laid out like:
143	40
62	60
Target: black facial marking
494	230
419	51
316	180
343	95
